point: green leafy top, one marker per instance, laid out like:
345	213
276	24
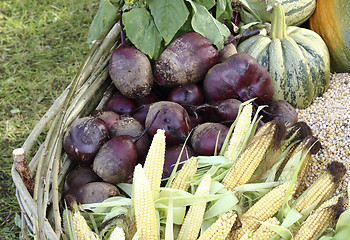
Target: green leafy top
153	24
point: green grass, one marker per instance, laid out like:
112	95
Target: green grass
42	44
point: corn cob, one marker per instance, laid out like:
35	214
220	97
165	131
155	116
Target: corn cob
300	130
240	173
154	162
220	229
192	223
323	187
183	177
310	145
320	219
263	209
239	133
145	212
265	233
81	228
117	234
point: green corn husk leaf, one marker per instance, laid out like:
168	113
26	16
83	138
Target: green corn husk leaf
250	193
280	230
216	144
291	218
270	175
169	229
271	158
178	214
292	167
116	211
273	174
105	211
287	144
105	206
214	165
182	199
223	204
294	164
126	187
286	202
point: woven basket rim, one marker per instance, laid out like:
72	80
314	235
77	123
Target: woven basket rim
98	76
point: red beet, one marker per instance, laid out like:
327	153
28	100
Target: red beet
84	138
78	177
282	111
130	126
131	72
150	98
108	117
240	77
187	95
140	113
93	192
204	138
186	60
120	104
224	111
171	117
115	161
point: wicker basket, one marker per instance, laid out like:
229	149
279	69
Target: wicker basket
38	183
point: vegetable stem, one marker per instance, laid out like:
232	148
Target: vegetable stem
278	23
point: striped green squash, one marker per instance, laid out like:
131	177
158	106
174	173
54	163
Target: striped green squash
296	58
296	11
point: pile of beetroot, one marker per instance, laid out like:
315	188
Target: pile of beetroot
189	91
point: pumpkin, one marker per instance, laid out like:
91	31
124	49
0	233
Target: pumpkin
331	20
296	58
296	11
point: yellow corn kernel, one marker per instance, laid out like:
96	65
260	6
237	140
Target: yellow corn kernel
320	219
265	233
220	229
81	228
322	188
154	162
145	212
117	234
239	133
249	235
192	223
243	169
263	209
183	177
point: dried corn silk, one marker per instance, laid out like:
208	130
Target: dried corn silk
329	119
